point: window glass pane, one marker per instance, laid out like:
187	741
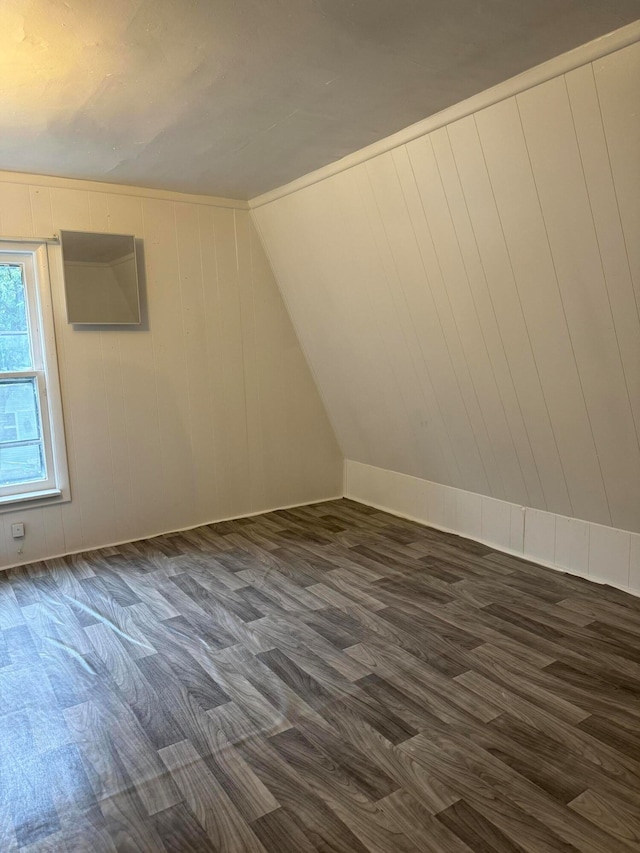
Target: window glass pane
19	423
15	352
8	427
19	409
21	464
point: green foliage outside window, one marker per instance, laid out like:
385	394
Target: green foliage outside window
14	337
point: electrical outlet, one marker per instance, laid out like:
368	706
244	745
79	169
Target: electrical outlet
17	530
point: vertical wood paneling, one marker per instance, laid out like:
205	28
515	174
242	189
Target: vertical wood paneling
328	284
255	449
88	516
237	477
194	326
616	79
214	457
398	207
401	256
121	508
518	469
380	324
169	370
511	327
603	202
170	425
453	307
505	150
15	210
136	458
560	181
273	400
323	338
459	274
404	272
487	276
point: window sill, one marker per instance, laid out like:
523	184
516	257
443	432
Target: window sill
32	499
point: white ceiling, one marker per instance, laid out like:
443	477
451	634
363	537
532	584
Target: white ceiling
236	97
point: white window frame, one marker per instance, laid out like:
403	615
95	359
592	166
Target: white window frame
33	259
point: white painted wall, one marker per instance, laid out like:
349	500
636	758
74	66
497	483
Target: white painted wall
468	300
207	412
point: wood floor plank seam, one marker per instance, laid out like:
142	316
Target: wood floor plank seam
322	679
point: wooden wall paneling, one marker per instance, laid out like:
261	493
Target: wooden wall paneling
505	301
137	458
415	259
109	346
488	275
34	543
196	328
428	301
117	496
299	414
41	214
518	469
213	354
616	79
458	275
237	484
357	288
452	309
156	416
83	400
169	369
410	398
594	154
349	357
507	159
399	276
560	182
362	280
16	218
255	448
270	325
295	260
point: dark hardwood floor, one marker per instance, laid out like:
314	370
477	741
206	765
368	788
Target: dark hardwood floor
328	678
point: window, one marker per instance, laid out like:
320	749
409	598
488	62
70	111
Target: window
32	450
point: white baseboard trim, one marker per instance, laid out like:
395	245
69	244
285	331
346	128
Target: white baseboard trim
91	548
605	555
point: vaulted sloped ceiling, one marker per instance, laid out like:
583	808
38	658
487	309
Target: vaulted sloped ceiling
469	301
234	97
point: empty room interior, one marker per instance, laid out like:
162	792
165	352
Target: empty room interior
319	426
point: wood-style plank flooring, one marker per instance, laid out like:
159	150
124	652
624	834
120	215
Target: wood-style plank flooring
328	678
